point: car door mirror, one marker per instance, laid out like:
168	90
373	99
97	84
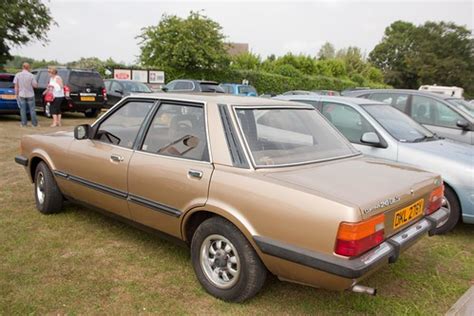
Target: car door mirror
164	89
370	138
462	124
118	91
82	132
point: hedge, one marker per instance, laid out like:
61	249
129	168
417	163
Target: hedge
266	82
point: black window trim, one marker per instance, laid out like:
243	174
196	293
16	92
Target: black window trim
236	151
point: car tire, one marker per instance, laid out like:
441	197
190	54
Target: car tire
454	211
91	113
48	197
240	272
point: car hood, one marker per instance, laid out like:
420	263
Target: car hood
444	148
362	182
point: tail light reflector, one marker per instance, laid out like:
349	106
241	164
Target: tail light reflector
356	238
104	93
436	200
67	91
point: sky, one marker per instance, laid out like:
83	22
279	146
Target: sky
109	28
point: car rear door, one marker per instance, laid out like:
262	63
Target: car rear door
171	170
97	168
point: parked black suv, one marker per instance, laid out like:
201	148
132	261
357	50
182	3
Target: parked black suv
84	90
189	85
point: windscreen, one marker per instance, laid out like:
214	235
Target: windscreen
463	105
282	136
136	87
6	81
398	124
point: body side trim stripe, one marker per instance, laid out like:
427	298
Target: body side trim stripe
154	205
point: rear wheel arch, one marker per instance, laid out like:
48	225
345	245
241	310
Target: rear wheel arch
194	218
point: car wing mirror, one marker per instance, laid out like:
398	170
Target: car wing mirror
462	124
164	89
119	91
370	138
82	131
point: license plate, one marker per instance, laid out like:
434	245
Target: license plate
87	98
408	214
7	96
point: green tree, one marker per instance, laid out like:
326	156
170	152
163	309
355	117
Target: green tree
436	52
194	45
327	51
22	21
246	61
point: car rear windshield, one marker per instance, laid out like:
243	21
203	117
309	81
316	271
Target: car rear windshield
6	81
399	125
287	136
84	79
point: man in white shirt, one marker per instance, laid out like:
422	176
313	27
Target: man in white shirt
25	82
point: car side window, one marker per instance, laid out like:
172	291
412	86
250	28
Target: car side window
396	100
121	127
107	85
432	112
183	85
347	120
178	131
42	79
116	87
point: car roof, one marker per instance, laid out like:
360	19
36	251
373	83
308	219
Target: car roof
222	99
67	68
317	97
122	80
199	81
408	91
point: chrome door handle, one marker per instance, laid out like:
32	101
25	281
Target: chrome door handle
195	174
116	158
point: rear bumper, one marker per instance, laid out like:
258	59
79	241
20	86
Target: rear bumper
387	252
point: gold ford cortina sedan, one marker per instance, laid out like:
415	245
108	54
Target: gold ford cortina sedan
251	185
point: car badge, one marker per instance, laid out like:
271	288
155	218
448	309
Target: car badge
382	204
412	192
88	90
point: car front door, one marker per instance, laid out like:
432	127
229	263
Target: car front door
171	170
97	168
353	125
439	118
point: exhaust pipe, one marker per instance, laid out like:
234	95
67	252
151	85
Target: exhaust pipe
364	289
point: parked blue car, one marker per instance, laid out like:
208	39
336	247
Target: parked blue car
239	89
380	130
8	104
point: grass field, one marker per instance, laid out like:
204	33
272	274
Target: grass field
81	262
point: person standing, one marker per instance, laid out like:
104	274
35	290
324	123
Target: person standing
25	82
57	86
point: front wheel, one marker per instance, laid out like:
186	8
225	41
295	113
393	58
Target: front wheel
48	197
225	263
452	204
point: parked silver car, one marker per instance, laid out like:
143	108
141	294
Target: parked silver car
379	130
446	116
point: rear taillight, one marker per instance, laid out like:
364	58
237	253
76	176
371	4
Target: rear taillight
356	238
104	93
67	91
436	200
